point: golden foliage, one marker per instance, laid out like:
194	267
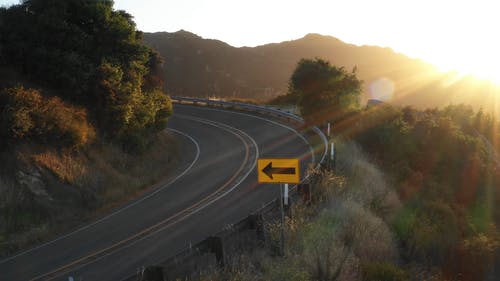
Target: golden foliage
63	165
27	114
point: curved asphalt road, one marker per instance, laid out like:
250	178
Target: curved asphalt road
214	185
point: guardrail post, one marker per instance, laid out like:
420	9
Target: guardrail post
330	160
216	247
215	244
257	222
332	155
153	273
304	190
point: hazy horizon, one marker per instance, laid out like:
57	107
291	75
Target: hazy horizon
452	35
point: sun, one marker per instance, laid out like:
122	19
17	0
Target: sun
486	68
484	71
483	67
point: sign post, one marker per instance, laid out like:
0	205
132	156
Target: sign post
282	246
285	193
283	172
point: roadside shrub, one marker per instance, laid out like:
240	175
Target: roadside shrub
325	185
286	270
383	272
367	235
325	255
26	115
64	124
367	184
477	256
430	232
349	231
16	107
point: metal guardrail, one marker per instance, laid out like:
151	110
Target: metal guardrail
256	108
240	104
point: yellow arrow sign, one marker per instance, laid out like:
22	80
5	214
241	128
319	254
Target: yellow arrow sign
278	170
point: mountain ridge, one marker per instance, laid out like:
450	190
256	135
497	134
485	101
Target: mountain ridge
200	67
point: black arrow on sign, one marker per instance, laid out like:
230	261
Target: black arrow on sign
269	170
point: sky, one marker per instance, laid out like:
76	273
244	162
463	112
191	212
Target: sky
453	35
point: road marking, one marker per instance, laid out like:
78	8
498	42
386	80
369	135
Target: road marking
273	122
267	120
122	208
193	209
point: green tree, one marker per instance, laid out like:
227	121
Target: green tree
91	55
324	92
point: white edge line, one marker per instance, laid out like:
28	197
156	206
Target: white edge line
121	209
179	100
215	124
226	192
325	142
273	122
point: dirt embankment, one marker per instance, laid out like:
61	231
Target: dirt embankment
45	192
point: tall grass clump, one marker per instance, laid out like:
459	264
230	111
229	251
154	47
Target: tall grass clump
344	233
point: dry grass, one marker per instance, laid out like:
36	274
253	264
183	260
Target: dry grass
67	167
127	175
7	189
14	215
86	185
12	243
116	177
335	237
367	184
244	268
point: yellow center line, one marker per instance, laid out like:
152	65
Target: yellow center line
158	226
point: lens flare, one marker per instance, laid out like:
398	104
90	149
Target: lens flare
381	89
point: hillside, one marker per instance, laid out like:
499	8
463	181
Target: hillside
82	116
203	67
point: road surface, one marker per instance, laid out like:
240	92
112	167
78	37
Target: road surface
214	185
